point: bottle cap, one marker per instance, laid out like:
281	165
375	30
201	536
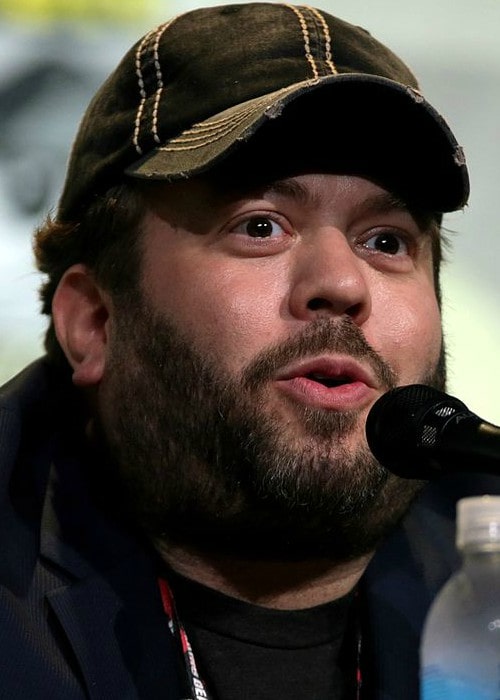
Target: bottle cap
478	522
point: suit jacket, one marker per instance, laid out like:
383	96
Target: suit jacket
80	610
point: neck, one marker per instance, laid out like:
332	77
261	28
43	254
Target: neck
278	585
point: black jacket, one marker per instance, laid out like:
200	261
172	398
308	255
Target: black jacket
80	610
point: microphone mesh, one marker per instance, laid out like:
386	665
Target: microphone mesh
405	421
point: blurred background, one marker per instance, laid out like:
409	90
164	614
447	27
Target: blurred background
55	53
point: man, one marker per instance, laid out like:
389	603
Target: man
245	257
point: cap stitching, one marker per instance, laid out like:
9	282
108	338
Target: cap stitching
181	144
305	36
328	40
159	79
157	32
211	126
203	134
142	90
214	130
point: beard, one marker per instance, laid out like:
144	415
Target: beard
205	462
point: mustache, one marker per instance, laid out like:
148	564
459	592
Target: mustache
341	336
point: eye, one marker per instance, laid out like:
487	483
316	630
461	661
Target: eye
260	227
388	242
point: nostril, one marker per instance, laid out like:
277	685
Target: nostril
318	303
321	304
355	311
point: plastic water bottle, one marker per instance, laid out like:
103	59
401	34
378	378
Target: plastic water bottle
460	653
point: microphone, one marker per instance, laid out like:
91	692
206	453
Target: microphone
418	432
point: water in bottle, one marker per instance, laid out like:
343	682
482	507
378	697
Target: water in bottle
460	652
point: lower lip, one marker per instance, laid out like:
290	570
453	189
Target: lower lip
345	397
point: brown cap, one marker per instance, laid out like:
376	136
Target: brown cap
291	80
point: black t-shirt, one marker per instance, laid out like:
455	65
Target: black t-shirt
247	652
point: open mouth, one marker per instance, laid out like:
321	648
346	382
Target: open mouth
329	381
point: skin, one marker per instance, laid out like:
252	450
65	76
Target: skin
323	255
320	263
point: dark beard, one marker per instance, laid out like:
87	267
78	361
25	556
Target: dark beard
204	464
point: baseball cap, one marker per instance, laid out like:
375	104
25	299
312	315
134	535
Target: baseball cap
264	82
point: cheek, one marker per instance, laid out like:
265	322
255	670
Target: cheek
409	333
229	314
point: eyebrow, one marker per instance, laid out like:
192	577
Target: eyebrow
379	203
294	190
427	220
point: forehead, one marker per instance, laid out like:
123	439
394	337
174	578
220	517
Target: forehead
202	198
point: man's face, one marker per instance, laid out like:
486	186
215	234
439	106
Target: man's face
237	388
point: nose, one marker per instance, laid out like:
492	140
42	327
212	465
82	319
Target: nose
329	279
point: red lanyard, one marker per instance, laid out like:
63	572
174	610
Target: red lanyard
194	681
196	685
359	675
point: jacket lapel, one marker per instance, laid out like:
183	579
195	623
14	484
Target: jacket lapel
118	634
108	603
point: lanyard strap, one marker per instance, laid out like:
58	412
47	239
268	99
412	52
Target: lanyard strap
359	674
358	637
195	684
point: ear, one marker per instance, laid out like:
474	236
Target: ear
80	310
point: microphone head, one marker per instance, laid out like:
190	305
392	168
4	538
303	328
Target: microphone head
404	426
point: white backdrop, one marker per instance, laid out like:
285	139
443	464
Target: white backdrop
47	74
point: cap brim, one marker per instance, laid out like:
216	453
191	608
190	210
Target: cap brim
351	122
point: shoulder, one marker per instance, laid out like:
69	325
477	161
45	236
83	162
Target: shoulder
40	383
34	377
29	405
22	395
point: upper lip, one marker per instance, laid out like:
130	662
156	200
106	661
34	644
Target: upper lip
344	368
